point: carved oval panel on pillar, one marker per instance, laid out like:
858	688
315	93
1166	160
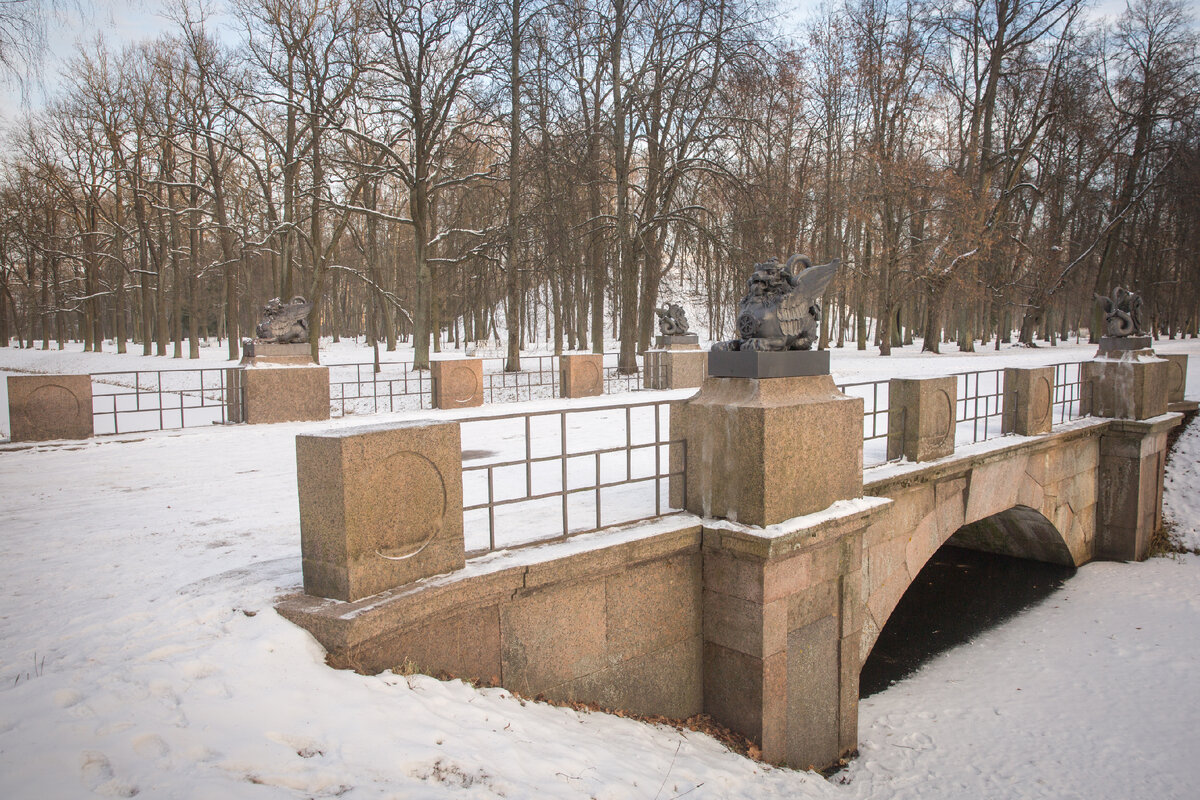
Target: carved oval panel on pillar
410	513
42	407
49	405
457	382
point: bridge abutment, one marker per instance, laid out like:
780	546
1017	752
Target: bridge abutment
781	460
1132	387
782	620
1133	459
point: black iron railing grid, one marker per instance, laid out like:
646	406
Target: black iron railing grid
877	428
358	388
616	382
165	399
654	372
364	390
979	408
558	476
537	382
1069	387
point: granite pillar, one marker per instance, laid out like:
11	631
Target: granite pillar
285	393
1028	400
1125	385
782	627
1133	457
581	374
380	506
921	414
763	450
676	362
457	382
43	407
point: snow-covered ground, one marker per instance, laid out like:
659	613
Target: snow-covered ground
140	653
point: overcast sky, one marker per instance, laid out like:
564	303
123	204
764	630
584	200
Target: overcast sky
130	20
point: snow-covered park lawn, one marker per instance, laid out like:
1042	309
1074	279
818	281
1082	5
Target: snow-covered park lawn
140	653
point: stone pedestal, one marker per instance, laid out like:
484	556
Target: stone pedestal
767	364
1028	399
782	628
43	407
285	394
380	506
581	375
675	365
457	382
1133	456
763	451
1128	385
921	418
1116	345
273	353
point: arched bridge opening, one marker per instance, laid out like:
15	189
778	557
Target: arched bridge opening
986	572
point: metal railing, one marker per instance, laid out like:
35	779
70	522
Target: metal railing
553	474
155	400
616	382
359	389
877	428
1069	387
979	408
539	382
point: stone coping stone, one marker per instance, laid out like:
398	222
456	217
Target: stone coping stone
377	427
772	364
798	533
881	479
687	340
1115	344
1147	427
1183	406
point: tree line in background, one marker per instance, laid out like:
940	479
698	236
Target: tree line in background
457	171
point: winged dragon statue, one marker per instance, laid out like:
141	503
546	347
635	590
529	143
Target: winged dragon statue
781	310
284	323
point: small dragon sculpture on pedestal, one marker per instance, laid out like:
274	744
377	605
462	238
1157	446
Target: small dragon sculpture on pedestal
781	310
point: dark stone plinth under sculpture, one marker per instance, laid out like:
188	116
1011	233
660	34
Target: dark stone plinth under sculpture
1124	344
759	364
256	352
685	341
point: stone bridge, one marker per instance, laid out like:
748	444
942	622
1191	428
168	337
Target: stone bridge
758	606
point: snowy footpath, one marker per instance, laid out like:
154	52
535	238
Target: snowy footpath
140	655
